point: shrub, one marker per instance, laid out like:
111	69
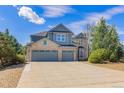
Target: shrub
98	56
113	57
20	58
122	59
7	61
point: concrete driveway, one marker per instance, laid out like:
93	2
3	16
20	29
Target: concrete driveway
69	74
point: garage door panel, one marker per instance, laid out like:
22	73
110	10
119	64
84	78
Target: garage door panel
67	55
44	55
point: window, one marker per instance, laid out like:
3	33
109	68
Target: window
60	37
45	42
81	42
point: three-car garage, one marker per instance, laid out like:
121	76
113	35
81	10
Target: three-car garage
46	50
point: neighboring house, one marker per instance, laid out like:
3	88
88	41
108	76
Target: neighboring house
57	44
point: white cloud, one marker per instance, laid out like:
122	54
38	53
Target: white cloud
122	42
16	6
121	32
50	26
56	10
92	18
29	14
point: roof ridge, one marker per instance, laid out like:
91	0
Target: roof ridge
59	25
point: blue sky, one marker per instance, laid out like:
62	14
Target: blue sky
22	21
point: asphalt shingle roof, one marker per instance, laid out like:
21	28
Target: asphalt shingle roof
80	35
40	34
60	28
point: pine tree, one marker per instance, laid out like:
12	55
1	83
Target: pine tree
9	48
99	32
105	36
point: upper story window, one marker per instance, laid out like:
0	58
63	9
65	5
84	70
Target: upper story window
81	42
60	37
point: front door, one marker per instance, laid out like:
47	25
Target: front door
80	53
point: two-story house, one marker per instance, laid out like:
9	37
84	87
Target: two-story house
57	44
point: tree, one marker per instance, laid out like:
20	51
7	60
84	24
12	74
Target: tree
9	49
105	36
114	44
99	32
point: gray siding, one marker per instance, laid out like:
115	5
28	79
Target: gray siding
70	38
52	36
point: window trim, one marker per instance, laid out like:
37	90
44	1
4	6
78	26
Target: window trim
61	37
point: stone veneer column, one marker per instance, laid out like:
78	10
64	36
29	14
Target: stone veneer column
28	57
30	53
59	55
75	55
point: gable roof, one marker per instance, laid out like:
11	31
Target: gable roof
60	28
80	35
40	34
